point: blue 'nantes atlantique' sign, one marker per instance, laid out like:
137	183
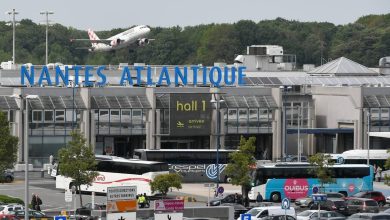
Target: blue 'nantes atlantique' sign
178	76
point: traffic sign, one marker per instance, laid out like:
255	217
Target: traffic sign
315	189
60	217
246	216
68	195
285	203
319	197
220	190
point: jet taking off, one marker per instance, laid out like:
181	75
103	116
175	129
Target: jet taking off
135	36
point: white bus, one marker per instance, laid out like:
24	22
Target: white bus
377	157
118	171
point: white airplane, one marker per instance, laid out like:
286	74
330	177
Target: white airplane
133	36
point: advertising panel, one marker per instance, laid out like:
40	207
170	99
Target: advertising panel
190	114
169	205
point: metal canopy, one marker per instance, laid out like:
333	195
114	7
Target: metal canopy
343	66
248	102
116	102
376	101
162	101
7	103
57	102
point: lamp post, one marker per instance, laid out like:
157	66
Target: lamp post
26	156
217	101
13	13
368	136
47	13
299	134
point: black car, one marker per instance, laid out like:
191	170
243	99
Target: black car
31	214
7	177
238	209
226	199
86	210
337	205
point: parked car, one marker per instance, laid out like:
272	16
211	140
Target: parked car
337	205
238	208
7	177
308	201
313	214
375	195
355	205
10	208
229	198
258	213
31	214
373	216
279	217
293	158
387	211
7	217
388	200
86	210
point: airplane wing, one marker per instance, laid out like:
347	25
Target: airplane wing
92	41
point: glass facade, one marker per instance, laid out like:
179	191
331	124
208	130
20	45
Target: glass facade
49	130
247	120
120	121
296	111
379	120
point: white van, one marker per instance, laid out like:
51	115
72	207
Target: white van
258	213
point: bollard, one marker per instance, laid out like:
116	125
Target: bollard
42	173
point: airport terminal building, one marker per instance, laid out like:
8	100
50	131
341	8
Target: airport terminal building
325	109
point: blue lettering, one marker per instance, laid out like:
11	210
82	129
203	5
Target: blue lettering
139	69
219	76
149	79
241	75
126	76
164	75
76	75
195	69
45	75
233	70
24	73
183	77
101	75
87	75
204	75
64	77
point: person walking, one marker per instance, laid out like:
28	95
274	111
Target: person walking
36	202
147	202
141	201
259	198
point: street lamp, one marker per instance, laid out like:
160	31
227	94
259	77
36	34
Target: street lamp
368	136
47	13
13	13
299	134
217	100
25	141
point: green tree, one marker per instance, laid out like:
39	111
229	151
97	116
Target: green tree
239	167
8	144
162	183
321	163
77	161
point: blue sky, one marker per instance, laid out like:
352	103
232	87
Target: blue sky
105	15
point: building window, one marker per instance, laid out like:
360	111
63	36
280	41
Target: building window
37	116
49	116
60	115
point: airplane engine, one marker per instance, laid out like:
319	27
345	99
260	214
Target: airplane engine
143	42
115	42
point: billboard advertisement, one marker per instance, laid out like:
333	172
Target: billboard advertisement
190	114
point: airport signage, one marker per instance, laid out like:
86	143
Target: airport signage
86	75
169	205
121	193
190	114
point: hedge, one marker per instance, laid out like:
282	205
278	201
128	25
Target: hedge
8	199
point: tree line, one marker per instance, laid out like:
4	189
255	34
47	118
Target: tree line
364	41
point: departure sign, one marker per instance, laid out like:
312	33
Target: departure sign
190	114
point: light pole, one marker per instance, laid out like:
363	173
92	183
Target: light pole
368	136
217	101
26	156
47	13
13	13
299	134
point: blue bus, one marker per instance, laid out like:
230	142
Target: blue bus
293	180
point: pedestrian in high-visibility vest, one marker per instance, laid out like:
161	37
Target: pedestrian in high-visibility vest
141	201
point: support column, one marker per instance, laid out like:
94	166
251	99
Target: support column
158	129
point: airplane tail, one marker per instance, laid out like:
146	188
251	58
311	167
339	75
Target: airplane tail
93	37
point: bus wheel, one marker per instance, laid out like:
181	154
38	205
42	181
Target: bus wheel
275	197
